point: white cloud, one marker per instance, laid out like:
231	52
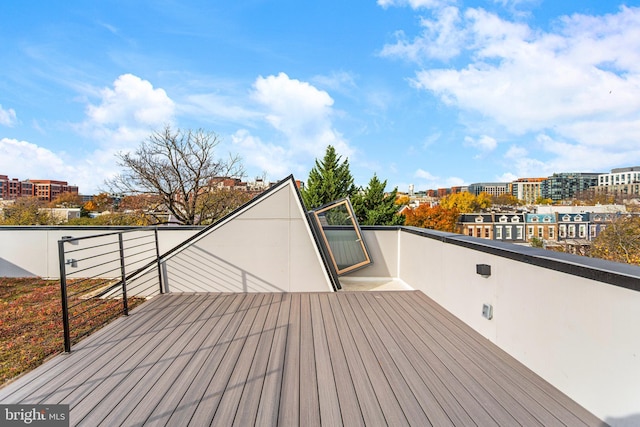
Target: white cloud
7	117
507	177
341	81
441	38
579	83
430	181
275	160
127	113
483	143
415	4
87	173
302	113
218	107
431	139
24	160
519	163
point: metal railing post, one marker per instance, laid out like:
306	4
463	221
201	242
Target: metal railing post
123	275
63	292
155	230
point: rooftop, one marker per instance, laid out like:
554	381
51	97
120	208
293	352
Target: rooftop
341	358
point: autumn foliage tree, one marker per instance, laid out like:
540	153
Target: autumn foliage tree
466	202
620	241
66	200
26	211
403	200
505	199
433	217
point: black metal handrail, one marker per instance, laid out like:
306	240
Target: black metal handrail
106	268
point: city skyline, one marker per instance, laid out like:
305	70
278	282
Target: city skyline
435	93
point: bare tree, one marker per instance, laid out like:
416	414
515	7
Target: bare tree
178	166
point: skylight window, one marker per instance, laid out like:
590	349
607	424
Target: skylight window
340	233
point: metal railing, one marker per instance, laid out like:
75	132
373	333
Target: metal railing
104	276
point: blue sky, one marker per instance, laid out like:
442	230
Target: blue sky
434	93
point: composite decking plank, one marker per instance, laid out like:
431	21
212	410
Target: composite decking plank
158	371
507	378
48	377
535	385
459	404
350	410
328	402
89	371
289	404
540	405
309	400
468	392
239	380
183	411
157	410
122	373
365	391
500	405
419	403
406	389
181	371
209	402
364	352
271	389
251	396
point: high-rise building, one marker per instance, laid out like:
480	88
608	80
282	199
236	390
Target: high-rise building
561	186
48	190
527	189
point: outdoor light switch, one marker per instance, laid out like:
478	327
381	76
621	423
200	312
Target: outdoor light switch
484	270
487	311
72	262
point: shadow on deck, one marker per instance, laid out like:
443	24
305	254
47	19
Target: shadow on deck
346	358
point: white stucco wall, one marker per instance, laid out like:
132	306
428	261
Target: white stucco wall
268	247
383	251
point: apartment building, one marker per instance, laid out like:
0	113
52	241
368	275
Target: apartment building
44	189
624	182
47	190
491	188
564	186
527	189
11	189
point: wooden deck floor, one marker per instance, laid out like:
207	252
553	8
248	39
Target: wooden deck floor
309	359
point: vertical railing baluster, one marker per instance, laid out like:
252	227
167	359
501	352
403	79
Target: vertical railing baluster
123	274
155	230
63	292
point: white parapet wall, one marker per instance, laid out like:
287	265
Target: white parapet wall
33	251
560	315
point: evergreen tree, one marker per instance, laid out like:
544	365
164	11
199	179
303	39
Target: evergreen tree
329	180
373	207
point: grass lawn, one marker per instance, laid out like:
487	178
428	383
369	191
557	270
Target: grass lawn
31	320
